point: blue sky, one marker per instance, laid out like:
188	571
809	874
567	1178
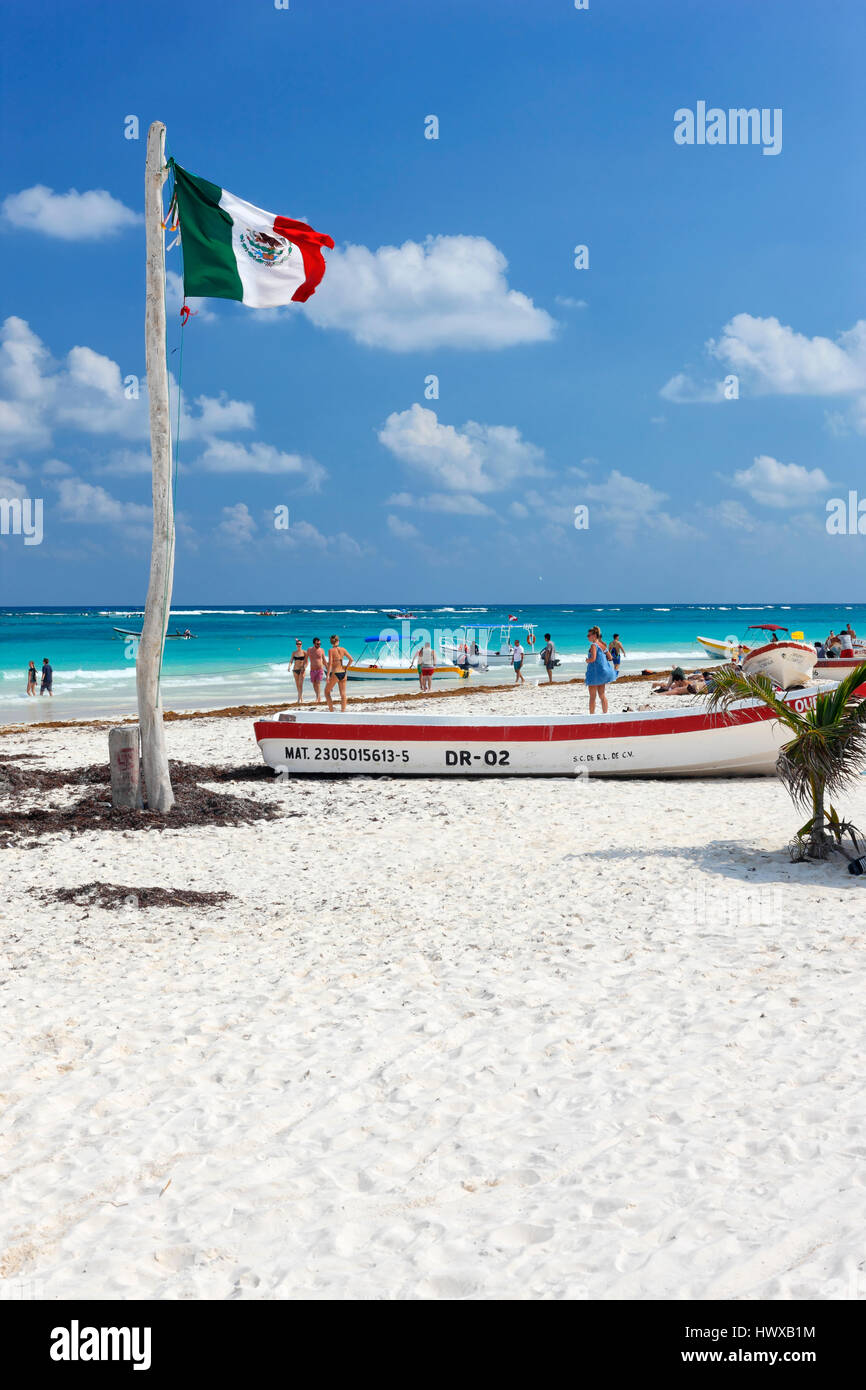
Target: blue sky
558	387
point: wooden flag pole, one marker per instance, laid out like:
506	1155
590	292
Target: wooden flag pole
160	796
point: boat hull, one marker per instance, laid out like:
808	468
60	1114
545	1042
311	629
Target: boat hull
788	664
402	673
658	743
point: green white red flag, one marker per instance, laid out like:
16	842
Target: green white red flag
234	250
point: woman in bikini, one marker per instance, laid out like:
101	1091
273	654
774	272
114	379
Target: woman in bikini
338	660
316	658
298	667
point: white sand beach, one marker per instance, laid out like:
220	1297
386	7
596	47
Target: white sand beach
450	1039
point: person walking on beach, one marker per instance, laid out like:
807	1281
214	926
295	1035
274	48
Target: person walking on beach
338	660
616	651
599	670
298	667
31	679
517	657
47	677
316	658
548	656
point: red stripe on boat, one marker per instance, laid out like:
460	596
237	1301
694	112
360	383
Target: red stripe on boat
287	732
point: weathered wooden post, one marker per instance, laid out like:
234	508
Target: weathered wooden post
160	796
123	757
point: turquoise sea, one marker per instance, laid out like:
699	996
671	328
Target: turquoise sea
238	657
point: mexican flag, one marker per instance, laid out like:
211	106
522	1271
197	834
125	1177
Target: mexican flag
232	250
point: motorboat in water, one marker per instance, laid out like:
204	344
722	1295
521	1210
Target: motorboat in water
688	742
480	656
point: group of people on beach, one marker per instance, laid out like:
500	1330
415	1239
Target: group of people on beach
327	669
33	676
837	644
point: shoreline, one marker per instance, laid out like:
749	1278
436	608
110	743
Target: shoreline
255	711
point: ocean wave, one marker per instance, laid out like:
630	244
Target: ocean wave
122	673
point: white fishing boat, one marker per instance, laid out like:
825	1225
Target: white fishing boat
787	662
490	652
689	742
722	651
380	660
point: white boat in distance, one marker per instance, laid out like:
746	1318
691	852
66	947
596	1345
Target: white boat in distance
481	658
690	742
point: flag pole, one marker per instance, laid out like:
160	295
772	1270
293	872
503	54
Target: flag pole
160	796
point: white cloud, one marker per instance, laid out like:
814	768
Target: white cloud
770	359
450	291
55	468
223	456
475	458
733	515
682	390
567	303
237	524
403	530
775	484
71	216
456	503
777	361
303	535
223	416
631	506
91	505
88	392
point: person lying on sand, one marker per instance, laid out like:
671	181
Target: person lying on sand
676	677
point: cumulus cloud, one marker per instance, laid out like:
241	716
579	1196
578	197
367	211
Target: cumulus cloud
449	291
303	535
224	456
775	484
475	458
88	393
237	524
71	216
403	530
83	502
456	503
770	359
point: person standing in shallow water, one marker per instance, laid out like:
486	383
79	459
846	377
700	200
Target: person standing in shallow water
47	677
599	670
31	679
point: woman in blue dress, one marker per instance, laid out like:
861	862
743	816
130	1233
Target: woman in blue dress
599	670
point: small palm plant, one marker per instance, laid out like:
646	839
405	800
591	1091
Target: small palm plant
822	758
